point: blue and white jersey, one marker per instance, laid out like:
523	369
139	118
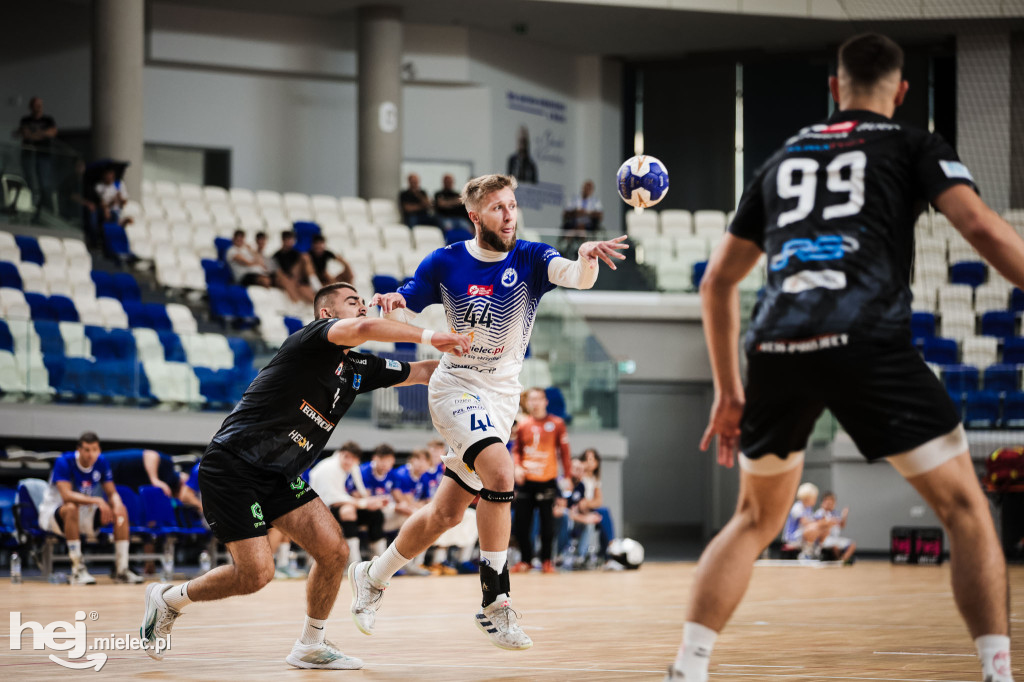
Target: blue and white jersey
85	481
491	296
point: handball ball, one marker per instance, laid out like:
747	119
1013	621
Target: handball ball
642	181
627	552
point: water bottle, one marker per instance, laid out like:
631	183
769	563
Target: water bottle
15	568
167	564
204	562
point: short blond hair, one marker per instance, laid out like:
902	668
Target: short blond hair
477	188
806	490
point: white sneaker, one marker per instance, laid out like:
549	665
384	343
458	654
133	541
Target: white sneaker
675	674
127	577
366	596
499	622
80	576
323	656
157	621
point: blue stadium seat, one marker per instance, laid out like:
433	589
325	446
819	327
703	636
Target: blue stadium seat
922	325
215	385
9	276
242	377
1013	351
241	304
136	312
1001	378
242	350
1001	323
385	284
158	317
133	506
29	247
8	526
940	351
981	409
293	324
971	273
127	287
1017	300
77	378
64	307
1013	410
50	339
217	272
115	344
40	307
122	379
27	515
157	512
6	339
174	351
222	244
457	234
556	403
220	302
115	241
104	284
55	368
304	233
960	378
698	273
414	403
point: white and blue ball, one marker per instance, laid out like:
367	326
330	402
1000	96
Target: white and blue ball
642	181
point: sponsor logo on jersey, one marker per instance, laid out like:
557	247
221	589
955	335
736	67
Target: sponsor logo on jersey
841	127
341	368
551	253
317	418
825	247
357	381
393	364
482	370
484	350
804	345
480	290
301	440
509	277
955	169
357	361
549	426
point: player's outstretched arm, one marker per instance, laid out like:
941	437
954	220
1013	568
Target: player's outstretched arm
355	331
582	273
987	232
720	306
419	372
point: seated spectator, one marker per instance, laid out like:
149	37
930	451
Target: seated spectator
841	548
113	195
581	218
291	270
580	550
801	527
339	483
412	491
325	266
593	499
281	548
80	500
448	208
415	204
247	266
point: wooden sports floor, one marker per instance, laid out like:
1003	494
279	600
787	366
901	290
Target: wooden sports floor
871	621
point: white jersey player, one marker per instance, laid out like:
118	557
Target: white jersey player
490	287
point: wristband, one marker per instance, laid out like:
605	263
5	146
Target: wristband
426	336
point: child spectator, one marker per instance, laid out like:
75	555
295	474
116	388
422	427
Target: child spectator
801	527
842	548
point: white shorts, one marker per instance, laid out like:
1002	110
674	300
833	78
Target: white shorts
86	522
837	542
468	419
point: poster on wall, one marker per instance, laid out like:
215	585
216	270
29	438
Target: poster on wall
537	158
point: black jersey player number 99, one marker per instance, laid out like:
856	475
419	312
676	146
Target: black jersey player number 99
797	178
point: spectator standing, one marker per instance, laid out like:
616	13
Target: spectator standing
247	266
582	217
80	500
415	204
448	207
37	132
521	165
541	442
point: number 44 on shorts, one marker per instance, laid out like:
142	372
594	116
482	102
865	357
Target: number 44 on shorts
480	424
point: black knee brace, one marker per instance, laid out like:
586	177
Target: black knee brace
495	496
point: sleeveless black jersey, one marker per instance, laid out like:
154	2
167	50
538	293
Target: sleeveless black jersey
290	409
834	212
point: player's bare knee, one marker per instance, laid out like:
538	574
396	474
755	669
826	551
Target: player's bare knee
69	509
331	551
447	517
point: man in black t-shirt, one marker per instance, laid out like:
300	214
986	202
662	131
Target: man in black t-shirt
415	203
318	258
291	270
250	475
448	207
834	211
37	131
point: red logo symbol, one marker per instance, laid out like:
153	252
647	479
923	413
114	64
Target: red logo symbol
1001	663
843	127
480	290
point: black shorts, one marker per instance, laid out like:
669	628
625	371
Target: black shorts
885	397
239	499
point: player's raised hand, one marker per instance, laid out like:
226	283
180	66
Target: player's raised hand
606	251
448	342
724	423
388	302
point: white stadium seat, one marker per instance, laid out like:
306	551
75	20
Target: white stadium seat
676	222
980	351
709	223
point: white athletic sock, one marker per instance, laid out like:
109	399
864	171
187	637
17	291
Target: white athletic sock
994	652
387	564
313	631
176	596
378	547
75	553
353	549
121	555
281	556
695	652
495	560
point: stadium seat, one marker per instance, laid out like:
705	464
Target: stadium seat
426	238
174	350
354	209
698	273
385	284
293	324
1017	300
222	244
924	297
111	345
940	351
955	297
40	307
999	323
182	319
50	340
922	325
642	226
676	223
6	340
158	513
11	380
1013	351
1002	378
304	233
242	351
991	296
957	323
136	312
28	246
217	272
104	282
971	273
709	223
116	242
32	278
960	378
9	276
980	351
158	317
148	345
126	286
456	235
981	409
215	385
1013	410
133	506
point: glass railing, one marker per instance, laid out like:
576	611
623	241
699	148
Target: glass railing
41	185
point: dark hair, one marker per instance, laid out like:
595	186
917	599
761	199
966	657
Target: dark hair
318	239
326	292
384	449
597	458
238	232
353	447
869	57
828	493
88	437
418	452
261	234
287	234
